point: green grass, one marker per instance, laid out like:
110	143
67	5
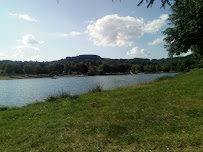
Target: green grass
165	115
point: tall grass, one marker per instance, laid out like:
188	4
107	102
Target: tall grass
62	95
164	78
97	88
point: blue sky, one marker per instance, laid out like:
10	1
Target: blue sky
44	30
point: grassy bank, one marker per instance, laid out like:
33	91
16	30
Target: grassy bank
165	115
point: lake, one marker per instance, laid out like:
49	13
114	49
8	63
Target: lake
20	92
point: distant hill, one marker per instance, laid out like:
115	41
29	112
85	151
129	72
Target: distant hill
84	57
97	57
96	65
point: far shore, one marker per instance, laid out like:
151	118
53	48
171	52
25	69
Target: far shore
11	77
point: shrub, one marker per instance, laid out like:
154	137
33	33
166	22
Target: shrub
53	73
68	96
95	89
62	95
164	78
3	108
51	99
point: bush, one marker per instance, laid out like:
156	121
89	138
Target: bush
62	95
3	108
53	73
68	96
51	99
164	78
97	88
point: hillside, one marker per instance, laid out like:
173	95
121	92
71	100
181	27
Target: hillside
95	65
158	116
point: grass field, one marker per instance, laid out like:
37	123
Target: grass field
164	115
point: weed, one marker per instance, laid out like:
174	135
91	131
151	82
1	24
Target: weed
195	113
195	141
51	99
97	88
129	139
62	95
164	78
115	130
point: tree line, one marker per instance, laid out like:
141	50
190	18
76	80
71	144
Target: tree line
95	65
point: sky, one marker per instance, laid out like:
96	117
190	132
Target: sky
43	30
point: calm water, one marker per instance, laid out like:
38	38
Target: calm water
20	92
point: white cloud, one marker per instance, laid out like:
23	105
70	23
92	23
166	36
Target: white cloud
30	40
35	58
27	57
63	35
113	30
18	56
155	25
156	41
71	34
30	55
13	14
90	21
135	52
3	56
24	17
74	33
23	49
27	51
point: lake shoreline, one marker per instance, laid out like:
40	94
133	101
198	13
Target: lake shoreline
12	77
86	89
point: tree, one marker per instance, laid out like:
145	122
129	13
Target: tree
186	31
105	68
58	67
166	67
152	68
82	68
158	68
38	69
10	68
93	70
28	69
136	68
67	68
146	68
151	2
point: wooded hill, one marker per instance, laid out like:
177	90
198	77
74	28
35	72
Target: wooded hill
95	65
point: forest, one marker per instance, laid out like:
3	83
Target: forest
95	65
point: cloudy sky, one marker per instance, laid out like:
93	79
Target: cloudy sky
44	30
